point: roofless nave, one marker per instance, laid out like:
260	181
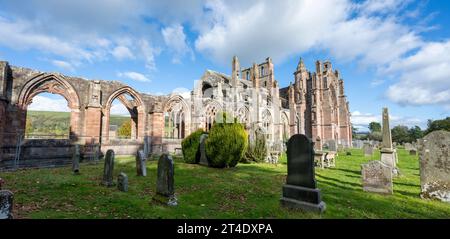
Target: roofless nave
314	104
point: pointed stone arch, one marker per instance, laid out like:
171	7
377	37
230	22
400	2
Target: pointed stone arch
177	115
55	84
136	108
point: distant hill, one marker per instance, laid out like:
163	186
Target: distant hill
50	122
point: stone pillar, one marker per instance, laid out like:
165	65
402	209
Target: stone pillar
93	123
388	154
157	131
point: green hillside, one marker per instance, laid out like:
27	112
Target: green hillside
57	123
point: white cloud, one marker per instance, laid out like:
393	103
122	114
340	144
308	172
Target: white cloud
362	120
43	103
149	53
185	93
117	108
64	65
424	76
175	40
134	76
122	52
22	35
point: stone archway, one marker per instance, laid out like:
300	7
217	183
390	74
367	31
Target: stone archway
135	107
55	84
177	114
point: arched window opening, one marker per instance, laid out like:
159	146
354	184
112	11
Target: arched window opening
48	117
122	119
175	120
207	90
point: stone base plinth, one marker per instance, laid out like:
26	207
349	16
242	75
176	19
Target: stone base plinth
306	199
166	200
389	157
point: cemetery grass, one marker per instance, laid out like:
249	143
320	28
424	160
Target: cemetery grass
246	191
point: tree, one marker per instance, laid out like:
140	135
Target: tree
443	124
415	133
375	127
400	134
125	129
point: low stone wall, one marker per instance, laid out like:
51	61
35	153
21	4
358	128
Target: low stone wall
37	153
123	147
172	145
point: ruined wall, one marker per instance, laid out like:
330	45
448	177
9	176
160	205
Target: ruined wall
89	102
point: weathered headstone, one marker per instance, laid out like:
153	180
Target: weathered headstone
413	152
108	169
76	159
300	190
332	145
377	177
203	158
434	157
6	204
165	191
141	168
368	149
122	182
319	159
388	154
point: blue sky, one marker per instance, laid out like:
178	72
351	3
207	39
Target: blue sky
390	53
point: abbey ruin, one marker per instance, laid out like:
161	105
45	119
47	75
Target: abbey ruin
314	104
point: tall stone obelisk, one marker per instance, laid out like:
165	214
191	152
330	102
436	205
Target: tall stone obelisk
388	154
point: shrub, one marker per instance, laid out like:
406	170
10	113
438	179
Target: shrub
256	151
190	146
226	144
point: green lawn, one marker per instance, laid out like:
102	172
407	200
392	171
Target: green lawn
247	191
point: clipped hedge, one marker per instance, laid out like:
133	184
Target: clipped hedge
256	151
190	147
226	144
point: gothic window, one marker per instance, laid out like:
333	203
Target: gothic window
325	83
175	120
262	71
248	75
267	124
297	124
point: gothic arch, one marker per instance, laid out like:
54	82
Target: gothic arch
267	123
285	126
135	107
243	115
212	108
55	84
177	115
51	83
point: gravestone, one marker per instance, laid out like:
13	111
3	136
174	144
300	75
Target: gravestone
108	169
76	159
413	152
377	177
203	158
122	182
6	204
332	145
300	190
319	159
388	154
141	168
368	149
434	157
165	192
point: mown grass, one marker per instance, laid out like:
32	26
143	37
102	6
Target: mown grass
247	191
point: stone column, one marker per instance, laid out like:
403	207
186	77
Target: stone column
388	154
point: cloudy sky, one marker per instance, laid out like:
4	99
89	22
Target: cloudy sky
390	53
